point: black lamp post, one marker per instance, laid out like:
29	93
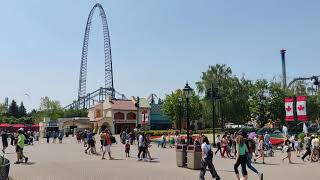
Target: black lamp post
262	109
180	115
188	92
213	94
137	105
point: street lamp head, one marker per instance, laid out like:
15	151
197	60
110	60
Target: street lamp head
187	91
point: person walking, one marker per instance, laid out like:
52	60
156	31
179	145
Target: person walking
260	149
55	136
307	145
107	145
141	147
4	137
102	140
224	145
61	134
48	134
287	148
218	145
241	158
20	146
206	160
91	143
127	149
315	143
251	144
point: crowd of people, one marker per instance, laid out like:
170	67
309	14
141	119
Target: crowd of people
19	139
244	148
55	135
127	138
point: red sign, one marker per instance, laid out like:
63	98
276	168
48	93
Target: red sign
289	109
301	108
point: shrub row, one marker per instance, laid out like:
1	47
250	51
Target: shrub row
206	131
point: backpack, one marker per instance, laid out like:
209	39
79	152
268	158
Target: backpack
209	153
113	139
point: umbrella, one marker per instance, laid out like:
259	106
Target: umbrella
35	125
252	135
18	126
5	125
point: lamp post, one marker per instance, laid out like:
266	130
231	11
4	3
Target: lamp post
180	114
188	92
213	94
137	104
262	109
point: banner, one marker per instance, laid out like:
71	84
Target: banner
289	109
144	117
302	108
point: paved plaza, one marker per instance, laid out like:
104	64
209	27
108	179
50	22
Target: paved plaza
68	161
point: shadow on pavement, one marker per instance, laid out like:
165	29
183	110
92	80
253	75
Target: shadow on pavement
29	163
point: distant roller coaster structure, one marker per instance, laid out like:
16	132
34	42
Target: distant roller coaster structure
86	100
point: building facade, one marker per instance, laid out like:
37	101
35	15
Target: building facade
158	121
118	115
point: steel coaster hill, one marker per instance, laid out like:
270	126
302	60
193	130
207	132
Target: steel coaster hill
85	100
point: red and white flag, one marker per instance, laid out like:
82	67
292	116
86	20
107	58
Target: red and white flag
289	109
302	108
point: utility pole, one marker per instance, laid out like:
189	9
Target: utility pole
284	72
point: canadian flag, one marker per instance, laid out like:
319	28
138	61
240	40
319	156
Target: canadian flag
302	108
289	109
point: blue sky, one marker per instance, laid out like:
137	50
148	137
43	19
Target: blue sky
157	45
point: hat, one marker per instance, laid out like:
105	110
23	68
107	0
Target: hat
313	135
21	129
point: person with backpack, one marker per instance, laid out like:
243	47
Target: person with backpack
206	160
251	144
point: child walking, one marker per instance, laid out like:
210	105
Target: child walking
127	149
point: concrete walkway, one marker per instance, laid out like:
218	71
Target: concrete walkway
68	161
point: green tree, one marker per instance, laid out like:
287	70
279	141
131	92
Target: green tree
13	109
277	96
22	110
50	108
313	107
68	113
170	106
234	94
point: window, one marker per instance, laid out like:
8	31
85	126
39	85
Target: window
98	114
118	115
131	116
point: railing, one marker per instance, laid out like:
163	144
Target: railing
4	168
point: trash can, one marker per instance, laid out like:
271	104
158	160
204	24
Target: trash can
4	168
194	155
181	155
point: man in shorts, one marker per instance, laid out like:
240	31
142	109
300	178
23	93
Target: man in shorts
107	145
20	146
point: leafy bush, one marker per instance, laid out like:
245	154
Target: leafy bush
301	137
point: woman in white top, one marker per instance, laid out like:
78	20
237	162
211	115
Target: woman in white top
260	149
206	160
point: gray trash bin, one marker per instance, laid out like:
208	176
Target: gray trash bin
4	168
194	155
181	155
